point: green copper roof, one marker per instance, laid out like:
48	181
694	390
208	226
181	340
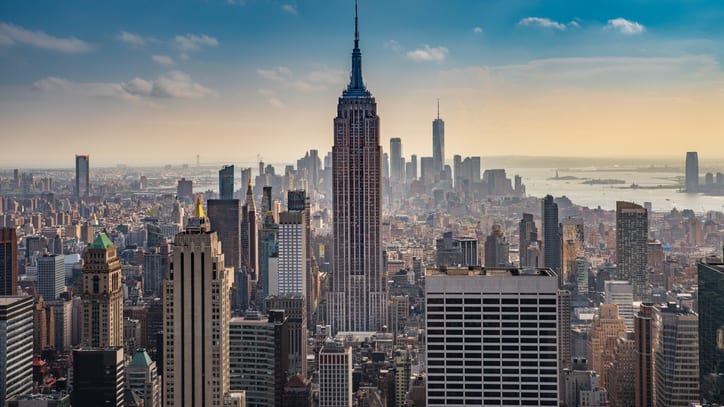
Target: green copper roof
141	358
102	242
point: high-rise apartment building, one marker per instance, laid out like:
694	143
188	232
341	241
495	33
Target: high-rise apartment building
632	230
82	176
643	336
8	261
357	297
99	377
565	344
226	182
676	356
16	346
102	296
258	357
196	318
622	373
335	375
711	331
492	337
438	142
51	276
551	235
292	254
691	181
573	247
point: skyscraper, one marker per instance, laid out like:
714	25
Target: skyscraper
99	377
573	247
51	276
551	235
692	171
143	379
225	218
226	182
16	346
196	314
643	335
606	327
711	331
632	230
249	235
8	261
82	176
102	295
621	293
438	142
335	375
298	201
357	298
527	234
397	164
676	356
514	366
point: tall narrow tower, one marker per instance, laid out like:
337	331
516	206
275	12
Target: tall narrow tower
438	142
692	171
357	296
196	311
632	230
102	295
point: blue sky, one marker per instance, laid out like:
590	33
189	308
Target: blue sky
165	80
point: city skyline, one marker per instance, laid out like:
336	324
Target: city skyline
621	75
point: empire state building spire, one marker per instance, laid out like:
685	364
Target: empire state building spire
356	87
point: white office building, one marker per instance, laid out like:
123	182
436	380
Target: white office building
292	254
335	375
621	293
51	276
491	337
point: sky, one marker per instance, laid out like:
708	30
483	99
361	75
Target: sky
143	82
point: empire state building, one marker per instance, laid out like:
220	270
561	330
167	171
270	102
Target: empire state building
357	299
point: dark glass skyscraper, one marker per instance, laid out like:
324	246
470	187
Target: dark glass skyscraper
8	261
226	182
551	234
692	171
397	165
438	142
711	331
82	176
357	295
632	230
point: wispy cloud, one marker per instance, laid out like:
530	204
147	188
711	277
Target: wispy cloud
288	8
164	60
276	102
132	39
392	45
428	54
171	85
478	30
547	23
625	26
314	81
191	42
11	34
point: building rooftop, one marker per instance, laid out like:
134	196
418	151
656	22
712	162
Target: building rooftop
490	272
141	358
11	299
102	241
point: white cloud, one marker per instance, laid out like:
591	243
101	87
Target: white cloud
171	85
478	30
428	54
288	8
265	92
278	74
625	26
276	102
547	23
132	39
190	42
11	34
392	45
184	56
314	81
164	60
